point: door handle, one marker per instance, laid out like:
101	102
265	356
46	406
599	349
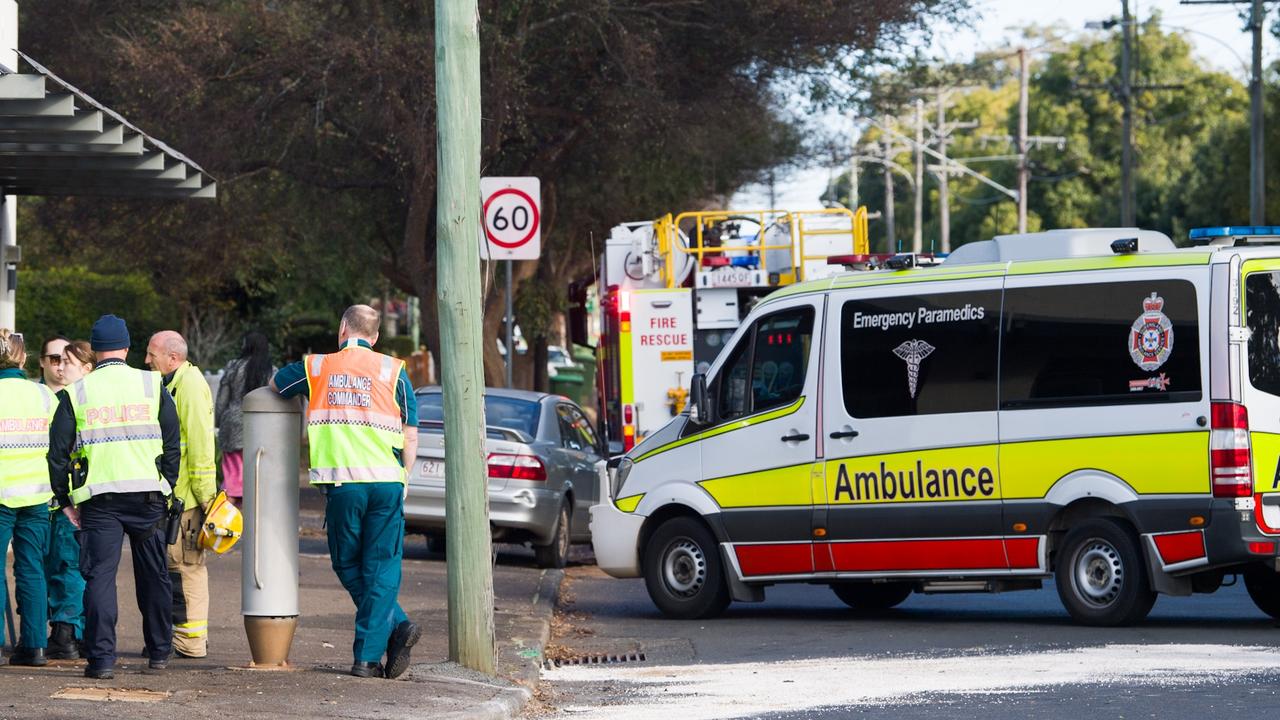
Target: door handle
841	434
798	437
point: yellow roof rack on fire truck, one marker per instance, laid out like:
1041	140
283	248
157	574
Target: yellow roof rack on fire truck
675	289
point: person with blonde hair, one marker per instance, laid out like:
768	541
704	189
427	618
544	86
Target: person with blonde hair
25	492
74	360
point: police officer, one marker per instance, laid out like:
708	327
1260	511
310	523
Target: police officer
127	427
361	424
25	412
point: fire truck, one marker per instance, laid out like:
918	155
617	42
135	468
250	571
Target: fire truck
674	290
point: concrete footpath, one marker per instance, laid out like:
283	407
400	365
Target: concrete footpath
319	685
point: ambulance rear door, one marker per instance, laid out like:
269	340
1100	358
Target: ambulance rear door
1260	385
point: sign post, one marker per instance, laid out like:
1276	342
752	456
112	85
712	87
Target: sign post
511	209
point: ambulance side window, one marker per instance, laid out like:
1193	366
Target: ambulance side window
1100	344
920	354
767	368
1262	314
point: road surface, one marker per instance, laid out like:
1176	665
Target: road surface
803	654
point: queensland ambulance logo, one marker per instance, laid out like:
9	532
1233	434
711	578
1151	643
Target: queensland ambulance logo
913	352
1151	341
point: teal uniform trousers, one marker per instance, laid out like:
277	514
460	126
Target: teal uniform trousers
366	542
28	529
62	569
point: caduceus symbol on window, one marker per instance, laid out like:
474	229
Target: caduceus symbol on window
913	352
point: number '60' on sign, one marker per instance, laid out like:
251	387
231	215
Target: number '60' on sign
511	210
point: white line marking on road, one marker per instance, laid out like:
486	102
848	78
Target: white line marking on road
714	692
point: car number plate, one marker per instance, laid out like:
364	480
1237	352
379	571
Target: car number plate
432	469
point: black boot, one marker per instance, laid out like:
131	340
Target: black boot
31	657
62	642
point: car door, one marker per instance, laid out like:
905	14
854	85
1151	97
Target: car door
758	456
910	430
580	450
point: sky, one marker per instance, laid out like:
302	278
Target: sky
1216	31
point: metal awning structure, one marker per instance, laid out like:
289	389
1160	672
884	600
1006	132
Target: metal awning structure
56	140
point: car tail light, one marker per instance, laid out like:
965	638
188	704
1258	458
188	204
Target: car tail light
516	467
1230	454
624	311
628	427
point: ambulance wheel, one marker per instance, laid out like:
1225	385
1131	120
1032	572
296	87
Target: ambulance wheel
1263	585
435	543
1101	576
683	572
872	596
556	553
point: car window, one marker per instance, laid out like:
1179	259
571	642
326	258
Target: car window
583	427
503	412
1100	344
920	354
767	367
570	438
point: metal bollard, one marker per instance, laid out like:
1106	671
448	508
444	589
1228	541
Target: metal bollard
269	573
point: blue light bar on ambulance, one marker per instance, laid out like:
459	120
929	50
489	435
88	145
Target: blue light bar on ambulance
1208	235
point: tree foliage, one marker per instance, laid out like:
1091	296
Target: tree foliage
319	120
1190	166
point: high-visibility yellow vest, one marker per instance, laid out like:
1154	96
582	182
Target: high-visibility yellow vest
118	430
353	421
24	442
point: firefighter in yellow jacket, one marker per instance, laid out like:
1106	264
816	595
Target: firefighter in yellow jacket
197	486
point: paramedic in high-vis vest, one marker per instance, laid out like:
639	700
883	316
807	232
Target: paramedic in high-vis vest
25	411
129	443
362	425
197	485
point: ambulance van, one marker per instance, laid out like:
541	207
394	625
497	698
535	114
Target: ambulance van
1096	406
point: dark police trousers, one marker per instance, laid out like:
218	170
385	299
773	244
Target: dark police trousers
104	521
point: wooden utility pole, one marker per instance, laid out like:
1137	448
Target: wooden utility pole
468	544
1257	178
1024	76
1127	213
891	240
917	233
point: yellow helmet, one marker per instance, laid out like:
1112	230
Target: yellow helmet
223	525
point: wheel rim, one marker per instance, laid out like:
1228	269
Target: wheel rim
1099	573
684	568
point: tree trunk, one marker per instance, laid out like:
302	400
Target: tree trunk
493	328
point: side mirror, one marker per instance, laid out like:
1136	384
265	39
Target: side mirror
699	401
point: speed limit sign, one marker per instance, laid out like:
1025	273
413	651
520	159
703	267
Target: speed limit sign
512	218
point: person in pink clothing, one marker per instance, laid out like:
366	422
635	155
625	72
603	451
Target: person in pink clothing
248	372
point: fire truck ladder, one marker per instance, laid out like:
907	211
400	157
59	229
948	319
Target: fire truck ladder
710	249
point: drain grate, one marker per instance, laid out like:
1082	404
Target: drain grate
593	659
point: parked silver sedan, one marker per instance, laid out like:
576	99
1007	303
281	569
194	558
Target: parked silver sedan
545	466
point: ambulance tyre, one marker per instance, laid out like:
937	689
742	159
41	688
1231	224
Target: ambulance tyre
872	596
1263	585
555	553
683	571
1101	576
